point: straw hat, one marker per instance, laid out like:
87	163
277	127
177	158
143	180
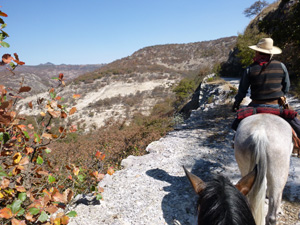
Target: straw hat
265	45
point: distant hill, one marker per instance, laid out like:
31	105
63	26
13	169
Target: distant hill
182	58
39	77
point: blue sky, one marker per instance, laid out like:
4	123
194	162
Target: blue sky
101	31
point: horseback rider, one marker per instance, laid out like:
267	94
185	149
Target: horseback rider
268	80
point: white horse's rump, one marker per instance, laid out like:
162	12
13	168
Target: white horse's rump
265	140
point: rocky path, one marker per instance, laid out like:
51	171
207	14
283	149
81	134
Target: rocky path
152	189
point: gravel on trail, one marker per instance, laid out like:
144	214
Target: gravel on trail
153	190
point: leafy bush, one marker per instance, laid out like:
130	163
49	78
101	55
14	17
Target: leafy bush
32	190
250	37
183	90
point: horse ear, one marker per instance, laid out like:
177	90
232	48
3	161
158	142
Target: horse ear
245	184
196	182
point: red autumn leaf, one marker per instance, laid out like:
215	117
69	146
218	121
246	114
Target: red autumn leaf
55	114
47	136
100	155
61	129
51	209
6	213
70	177
61	76
58	98
30	104
24	161
68	167
17	222
4	183
46	192
13	114
53	104
98	176
30	126
19	180
2	90
19	62
16	171
3	14
110	171
22	127
29	217
4	105
28	150
24	89
73	128
64	220
100	189
16	56
63	115
58	197
7	58
51	90
68	194
41	172
72	111
76	96
5	119
20	188
95	174
76	171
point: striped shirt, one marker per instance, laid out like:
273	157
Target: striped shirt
269	81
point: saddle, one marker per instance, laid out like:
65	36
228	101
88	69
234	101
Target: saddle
248	111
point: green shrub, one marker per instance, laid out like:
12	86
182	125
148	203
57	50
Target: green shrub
250	37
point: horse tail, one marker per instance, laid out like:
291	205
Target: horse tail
257	194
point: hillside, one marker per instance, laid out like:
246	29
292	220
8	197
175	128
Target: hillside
169	58
136	83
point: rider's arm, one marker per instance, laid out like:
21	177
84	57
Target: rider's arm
243	87
286	80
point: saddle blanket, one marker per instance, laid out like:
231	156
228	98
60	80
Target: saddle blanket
248	111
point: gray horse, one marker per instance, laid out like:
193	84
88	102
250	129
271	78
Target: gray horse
264	140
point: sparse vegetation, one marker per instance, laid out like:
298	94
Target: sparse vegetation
161	59
255	8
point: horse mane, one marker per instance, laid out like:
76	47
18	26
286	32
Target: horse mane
222	204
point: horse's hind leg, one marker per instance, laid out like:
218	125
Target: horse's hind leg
274	204
276	180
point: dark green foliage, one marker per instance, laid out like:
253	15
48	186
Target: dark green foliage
183	90
283	24
250	37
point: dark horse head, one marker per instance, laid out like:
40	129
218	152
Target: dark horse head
222	203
